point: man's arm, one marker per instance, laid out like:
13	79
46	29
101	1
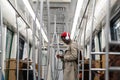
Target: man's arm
73	53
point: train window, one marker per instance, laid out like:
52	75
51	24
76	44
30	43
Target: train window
85	51
9	38
99	40
21	47
115	30
93	45
93	48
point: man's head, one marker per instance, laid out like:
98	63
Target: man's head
65	36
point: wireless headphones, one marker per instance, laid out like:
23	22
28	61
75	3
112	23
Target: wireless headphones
67	37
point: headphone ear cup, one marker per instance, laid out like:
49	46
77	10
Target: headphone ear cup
67	37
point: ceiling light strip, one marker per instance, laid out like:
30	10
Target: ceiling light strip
33	16
77	14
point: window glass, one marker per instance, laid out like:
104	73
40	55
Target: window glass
99	40
115	30
21	48
9	38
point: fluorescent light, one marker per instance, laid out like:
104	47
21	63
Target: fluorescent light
33	16
77	13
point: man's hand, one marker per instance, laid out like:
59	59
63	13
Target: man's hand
59	56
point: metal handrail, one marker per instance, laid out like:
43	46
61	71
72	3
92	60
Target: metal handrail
1	49
92	24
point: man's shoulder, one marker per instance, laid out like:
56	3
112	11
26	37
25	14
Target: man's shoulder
74	44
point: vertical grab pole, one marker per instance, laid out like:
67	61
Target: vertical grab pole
58	50
107	37
91	31
1	49
54	42
17	65
27	53
78	67
17	48
48	14
78	63
40	41
33	42
84	49
33	49
39	55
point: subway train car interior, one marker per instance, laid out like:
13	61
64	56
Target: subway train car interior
59	39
